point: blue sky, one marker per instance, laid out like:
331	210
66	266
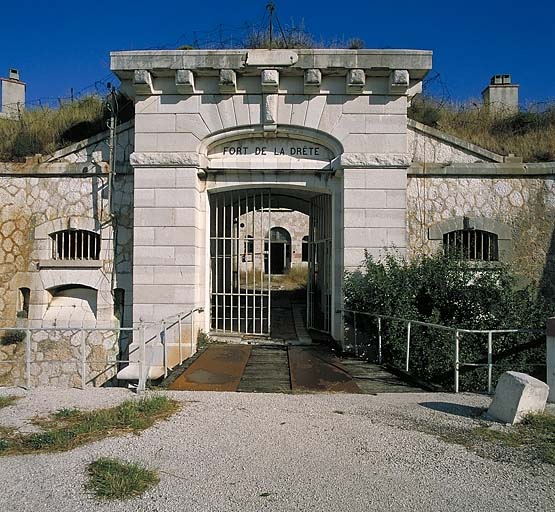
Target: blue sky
59	45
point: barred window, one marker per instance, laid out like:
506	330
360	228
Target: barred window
75	244
471	244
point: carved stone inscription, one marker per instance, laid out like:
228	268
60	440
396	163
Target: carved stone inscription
278	147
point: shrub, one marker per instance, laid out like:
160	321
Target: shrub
12	337
453	293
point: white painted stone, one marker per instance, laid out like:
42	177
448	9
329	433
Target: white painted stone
269	80
516	395
550	358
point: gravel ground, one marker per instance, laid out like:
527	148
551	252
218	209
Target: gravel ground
254	452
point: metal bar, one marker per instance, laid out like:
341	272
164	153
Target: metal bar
83	359
490	361
457	365
192	334
380	360
355	338
28	358
164	347
141	387
179	338
408	347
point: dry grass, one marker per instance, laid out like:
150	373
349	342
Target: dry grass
294	279
46	130
529	133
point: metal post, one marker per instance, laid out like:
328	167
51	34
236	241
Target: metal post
142	360
164	347
380	340
457	361
83	359
27	358
355	327
192	331
179	334
408	347
490	361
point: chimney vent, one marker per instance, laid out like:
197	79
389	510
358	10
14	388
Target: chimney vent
14	74
501	95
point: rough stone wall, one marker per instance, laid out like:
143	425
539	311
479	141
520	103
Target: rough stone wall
525	204
33	197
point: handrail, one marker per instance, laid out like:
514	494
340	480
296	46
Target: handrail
457	331
144	368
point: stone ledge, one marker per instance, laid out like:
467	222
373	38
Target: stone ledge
369	160
71	264
482	170
181	159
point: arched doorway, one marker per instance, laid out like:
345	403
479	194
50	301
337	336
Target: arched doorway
278	253
245	252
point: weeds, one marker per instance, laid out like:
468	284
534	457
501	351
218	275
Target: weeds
69	428
12	337
6	401
535	436
530	133
111	479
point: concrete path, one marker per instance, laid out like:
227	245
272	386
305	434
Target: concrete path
276	452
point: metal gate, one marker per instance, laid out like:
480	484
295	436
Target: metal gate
240	258
319	296
240	223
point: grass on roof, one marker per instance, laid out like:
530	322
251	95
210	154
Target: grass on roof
529	133
44	130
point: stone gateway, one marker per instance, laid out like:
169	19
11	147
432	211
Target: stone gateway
240	165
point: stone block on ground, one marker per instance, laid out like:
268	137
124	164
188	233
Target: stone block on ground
516	395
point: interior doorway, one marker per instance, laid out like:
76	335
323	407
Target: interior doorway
251	258
278	254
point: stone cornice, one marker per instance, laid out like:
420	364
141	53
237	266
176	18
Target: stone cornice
416	62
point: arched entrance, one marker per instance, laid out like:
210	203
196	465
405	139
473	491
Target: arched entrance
247	250
278	252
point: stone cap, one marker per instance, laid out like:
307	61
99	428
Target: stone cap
374	62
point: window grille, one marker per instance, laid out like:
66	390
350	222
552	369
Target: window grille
471	244
75	244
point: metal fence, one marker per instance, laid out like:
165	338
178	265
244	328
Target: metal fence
370	343
80	364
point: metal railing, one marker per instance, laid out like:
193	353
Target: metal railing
161	328
456	332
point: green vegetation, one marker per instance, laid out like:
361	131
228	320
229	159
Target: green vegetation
529	133
111	479
12	337
453	293
6	401
69	428
535	436
44	130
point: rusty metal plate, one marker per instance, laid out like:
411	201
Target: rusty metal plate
218	368
315	370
